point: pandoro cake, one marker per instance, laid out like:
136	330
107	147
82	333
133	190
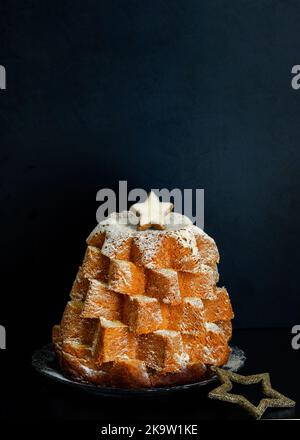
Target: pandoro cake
145	309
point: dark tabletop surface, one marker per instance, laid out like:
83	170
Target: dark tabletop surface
29	396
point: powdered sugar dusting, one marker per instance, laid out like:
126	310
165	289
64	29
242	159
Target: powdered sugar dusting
212	327
182	358
142	298
107	323
171	333
120	228
148	243
196	302
167	272
151	266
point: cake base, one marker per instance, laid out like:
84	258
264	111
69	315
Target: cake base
45	362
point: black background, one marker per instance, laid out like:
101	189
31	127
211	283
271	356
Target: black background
187	94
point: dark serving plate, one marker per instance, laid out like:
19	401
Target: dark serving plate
45	362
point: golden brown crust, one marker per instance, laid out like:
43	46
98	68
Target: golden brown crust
187	316
95	265
163	285
96	239
226	328
194	344
216	349
190	374
142	314
102	302
162	350
80	286
125	277
73	326
113	339
218	309
145	310
200	284
81	370
129	373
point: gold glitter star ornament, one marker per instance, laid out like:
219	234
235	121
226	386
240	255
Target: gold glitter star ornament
152	212
272	399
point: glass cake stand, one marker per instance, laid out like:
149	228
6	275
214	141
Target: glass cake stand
45	362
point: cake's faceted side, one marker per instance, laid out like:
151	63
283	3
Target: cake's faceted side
145	309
